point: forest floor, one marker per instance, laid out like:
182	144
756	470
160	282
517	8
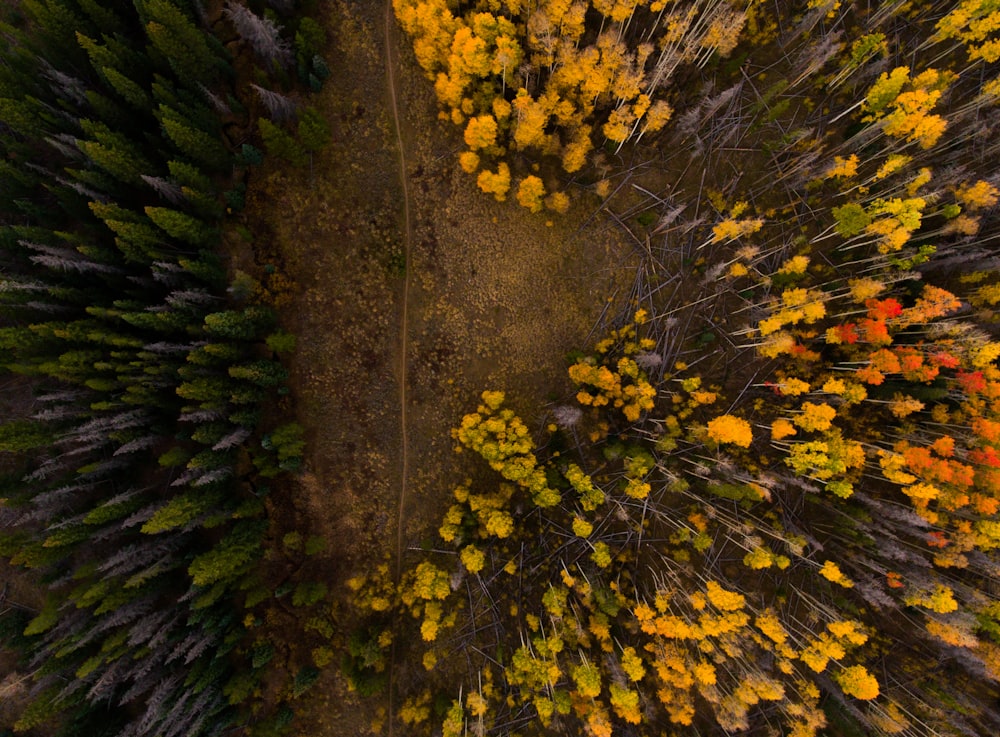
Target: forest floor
497	298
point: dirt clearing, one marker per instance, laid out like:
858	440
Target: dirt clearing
497	298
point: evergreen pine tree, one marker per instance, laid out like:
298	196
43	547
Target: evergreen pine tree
181	43
182	227
113	152
278	142
201	147
314	133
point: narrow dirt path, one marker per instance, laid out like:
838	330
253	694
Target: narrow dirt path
390	66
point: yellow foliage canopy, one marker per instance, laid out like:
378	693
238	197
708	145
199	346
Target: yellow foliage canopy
856	681
831	572
730	429
815	417
481	132
530	193
495	183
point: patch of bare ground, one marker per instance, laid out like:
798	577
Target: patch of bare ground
497	297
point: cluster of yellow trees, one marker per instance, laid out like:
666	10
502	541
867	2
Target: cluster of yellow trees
590	642
558	78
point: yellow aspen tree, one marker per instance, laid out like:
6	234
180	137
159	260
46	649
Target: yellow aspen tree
958	633
617	10
831	572
619	124
763	688
777	344
572	27
451	524
557	202
769	624
601	554
476	703
501	109
856	681
730	429
582	527
977	196
504	49
851	392
427	582
587	678
763	557
450	90
864	289
626	85
472	558
575	152
849	630
640	106
723	599
625	703
637	489
530	192
454	721
675	681
815	417
657	116
575	66
614	56
590	496
599	723
469	55
885	90
496	183
795	266
782	428
893	163
731	229
481	132
723	32
501	438
469	161
941	599
416	710
631	663
842	167
894	221
792	387
431	625
705	674
903	104
531	118
821	650
627	388
912	120
902	406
